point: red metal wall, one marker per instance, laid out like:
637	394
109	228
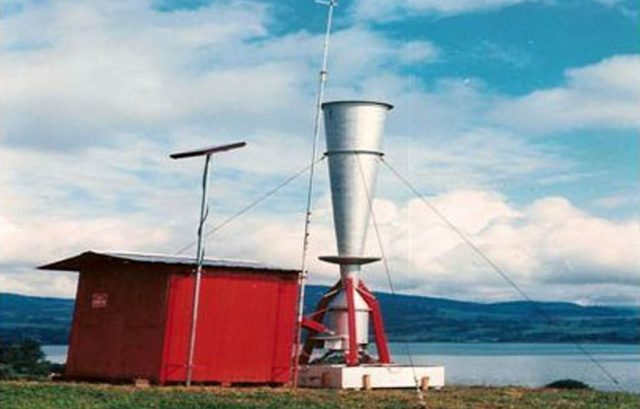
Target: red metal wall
245	328
118	325
133	322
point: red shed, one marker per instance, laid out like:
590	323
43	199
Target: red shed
132	319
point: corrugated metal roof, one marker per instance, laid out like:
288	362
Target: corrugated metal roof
88	257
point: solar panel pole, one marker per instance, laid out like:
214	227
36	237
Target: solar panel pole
199	257
204	211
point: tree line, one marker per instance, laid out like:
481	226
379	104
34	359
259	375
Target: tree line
26	360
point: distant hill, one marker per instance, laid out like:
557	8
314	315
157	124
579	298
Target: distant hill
411	318
425	319
41	318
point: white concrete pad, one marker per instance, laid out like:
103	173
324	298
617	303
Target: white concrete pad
372	376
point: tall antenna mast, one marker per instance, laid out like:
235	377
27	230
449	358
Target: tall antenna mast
316	133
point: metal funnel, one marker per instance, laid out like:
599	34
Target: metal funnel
354	143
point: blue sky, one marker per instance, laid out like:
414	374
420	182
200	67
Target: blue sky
518	118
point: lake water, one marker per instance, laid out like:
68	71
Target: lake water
531	365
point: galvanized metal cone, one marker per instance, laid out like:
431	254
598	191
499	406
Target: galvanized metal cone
354	144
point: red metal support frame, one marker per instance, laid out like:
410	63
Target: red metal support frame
317	316
384	357
313	325
352	353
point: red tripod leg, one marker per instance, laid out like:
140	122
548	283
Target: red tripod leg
352	353
384	357
317	316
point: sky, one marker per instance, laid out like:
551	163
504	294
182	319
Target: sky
517	119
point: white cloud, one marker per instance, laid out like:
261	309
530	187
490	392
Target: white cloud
41	241
382	10
96	97
590	249
545	244
602	95
95	71
548	243
51	284
477	157
386	10
124	68
618	201
29	243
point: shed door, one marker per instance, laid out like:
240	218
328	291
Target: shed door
245	328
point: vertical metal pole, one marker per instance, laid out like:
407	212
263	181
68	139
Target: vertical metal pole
199	259
316	133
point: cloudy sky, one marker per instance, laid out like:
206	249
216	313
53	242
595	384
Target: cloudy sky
519	120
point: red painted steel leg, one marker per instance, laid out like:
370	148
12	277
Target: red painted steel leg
313	325
317	316
384	357
352	353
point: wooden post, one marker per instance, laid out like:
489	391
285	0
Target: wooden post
424	383
141	383
366	382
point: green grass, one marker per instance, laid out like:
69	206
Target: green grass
34	395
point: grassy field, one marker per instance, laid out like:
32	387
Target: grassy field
34	395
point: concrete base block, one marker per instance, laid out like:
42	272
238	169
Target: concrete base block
370	376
